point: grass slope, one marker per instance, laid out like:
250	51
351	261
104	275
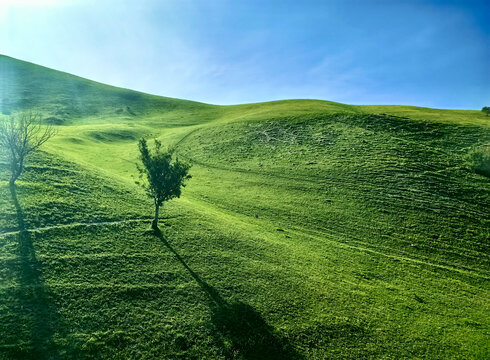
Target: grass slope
310	229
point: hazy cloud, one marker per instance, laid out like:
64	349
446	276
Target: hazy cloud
428	53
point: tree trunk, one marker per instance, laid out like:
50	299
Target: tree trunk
14	178
16	172
154	224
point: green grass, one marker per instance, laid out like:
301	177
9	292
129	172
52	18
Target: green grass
310	229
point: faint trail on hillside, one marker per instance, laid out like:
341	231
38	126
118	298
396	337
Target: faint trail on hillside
359	245
73	225
395	255
419	195
183	138
260	173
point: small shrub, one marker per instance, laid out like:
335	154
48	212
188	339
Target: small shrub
479	160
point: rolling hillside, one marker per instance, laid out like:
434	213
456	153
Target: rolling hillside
310	229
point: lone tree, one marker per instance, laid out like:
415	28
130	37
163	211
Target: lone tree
486	110
162	175
20	136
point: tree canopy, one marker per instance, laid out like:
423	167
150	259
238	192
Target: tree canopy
162	176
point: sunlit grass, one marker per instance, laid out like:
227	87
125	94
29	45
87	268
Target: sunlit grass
310	229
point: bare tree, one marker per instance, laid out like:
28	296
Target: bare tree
20	136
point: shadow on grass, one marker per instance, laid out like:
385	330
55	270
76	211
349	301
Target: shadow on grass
241	331
35	317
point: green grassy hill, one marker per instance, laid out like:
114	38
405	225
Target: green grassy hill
310	230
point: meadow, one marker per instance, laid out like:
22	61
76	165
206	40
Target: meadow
310	229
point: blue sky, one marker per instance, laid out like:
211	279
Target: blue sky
426	53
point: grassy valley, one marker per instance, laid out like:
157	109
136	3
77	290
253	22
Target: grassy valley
310	229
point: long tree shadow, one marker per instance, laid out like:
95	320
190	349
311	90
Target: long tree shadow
244	330
33	307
